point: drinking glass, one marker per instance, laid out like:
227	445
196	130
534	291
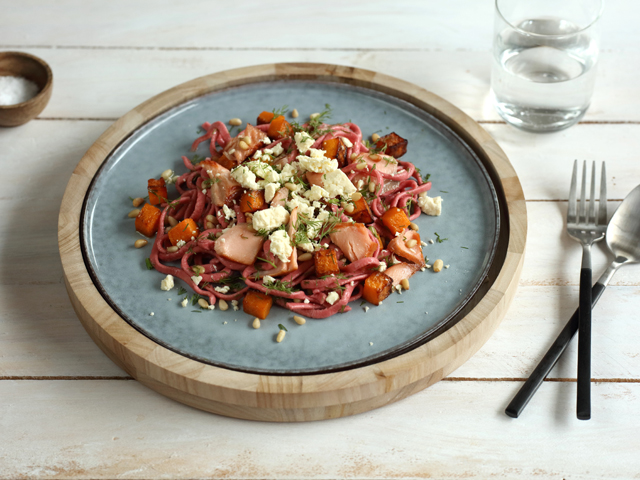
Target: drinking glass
544	61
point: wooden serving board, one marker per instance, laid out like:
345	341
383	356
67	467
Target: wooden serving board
288	398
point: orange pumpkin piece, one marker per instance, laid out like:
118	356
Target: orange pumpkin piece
326	262
157	191
334	148
361	211
186	229
257	304
395	220
396	146
264	118
279	128
377	287
147	220
252	201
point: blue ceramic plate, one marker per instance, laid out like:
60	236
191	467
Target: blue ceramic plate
470	223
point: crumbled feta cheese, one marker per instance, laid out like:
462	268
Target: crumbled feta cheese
316	193
180	243
184	302
423	243
263	170
303	141
196	279
317	162
211	307
204	191
366	309
332	298
306	300
270	218
371	344
337	183
266	140
245	177
151	314
304	207
446	266
382	267
224	289
228	212
276	151
430	206
268	279
313	229
431	241
270	190
281	245
167	283
289	171
234	304
346	142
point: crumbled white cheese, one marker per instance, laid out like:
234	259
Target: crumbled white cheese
337	183
266	140
366	309
196	279
382	267
371	344
245	177
167	175
289	171
430	206
303	141
234	304
275	151
304	207
313	229
184	302
211	307
270	218
306	300
224	289
332	298
263	170
317	162
167	283
151	314
281	245
316	193
228	212
268	279
270	190
180	243
346	142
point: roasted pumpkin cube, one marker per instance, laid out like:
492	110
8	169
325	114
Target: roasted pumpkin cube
279	128
184	231
264	118
377	287
335	148
147	220
157	191
326	262
257	304
252	201
396	220
361	211
396	146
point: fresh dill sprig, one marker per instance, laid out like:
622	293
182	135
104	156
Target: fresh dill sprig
438	239
267	261
147	261
280	111
282	327
182	291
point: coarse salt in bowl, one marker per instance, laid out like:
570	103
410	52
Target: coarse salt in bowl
26	83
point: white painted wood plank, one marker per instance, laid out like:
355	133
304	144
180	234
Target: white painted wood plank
108	83
120	429
452	25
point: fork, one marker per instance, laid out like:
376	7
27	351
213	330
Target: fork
587	229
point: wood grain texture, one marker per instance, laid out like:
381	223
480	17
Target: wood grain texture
294	398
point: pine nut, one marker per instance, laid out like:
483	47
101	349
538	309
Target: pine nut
361	166
349	208
411	243
137	201
299	320
304	257
224	305
314	115
291	186
198	269
295	113
246	140
353	156
172	221
356	196
235	122
208	225
140	243
243	145
414	227
437	265
280	336
134	213
172	249
167	174
375	137
167	229
372	187
405	283
203	303
209	218
256	323
374	157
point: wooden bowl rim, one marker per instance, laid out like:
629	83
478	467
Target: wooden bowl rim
42	91
249	395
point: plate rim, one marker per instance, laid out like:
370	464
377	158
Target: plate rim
301	396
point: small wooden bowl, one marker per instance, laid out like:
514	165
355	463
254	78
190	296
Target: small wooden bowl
32	68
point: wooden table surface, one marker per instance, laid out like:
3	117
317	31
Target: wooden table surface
66	411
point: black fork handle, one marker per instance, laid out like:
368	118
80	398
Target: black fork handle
526	392
583	404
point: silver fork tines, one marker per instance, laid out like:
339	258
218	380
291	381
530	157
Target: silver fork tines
582	223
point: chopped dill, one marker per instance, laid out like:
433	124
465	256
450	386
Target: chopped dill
197	159
282	327
438	239
280	111
182	291
147	261
267	261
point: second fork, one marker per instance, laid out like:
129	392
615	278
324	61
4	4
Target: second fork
587	228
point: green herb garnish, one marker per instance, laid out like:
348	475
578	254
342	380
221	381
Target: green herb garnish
282	327
438	239
149	264
181	291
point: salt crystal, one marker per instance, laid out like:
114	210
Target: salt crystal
14	90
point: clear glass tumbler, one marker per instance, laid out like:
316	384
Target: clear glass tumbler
544	61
